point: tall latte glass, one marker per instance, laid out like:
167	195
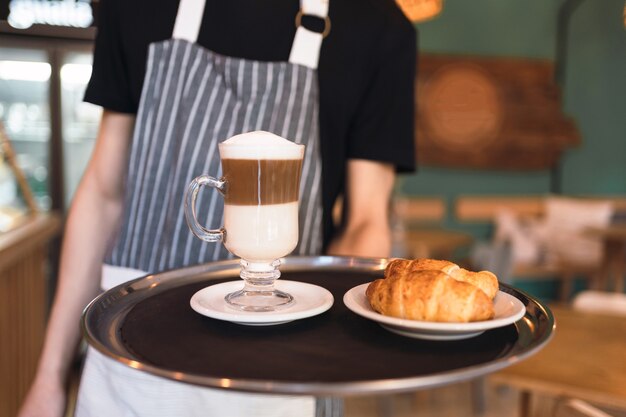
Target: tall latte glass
260	183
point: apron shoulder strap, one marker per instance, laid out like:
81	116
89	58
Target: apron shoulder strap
307	44
188	20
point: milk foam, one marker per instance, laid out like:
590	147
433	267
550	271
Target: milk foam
260	145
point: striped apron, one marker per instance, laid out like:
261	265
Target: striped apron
192	99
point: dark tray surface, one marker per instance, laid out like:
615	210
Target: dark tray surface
149	324
337	346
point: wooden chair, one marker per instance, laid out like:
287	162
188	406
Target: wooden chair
570	407
415	223
565	269
410	210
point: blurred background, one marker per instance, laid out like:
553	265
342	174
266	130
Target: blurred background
548	107
521	143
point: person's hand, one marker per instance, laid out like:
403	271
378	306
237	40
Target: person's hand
365	241
46	398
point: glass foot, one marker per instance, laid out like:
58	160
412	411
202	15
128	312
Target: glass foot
259	293
260	301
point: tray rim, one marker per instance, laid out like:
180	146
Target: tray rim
140	288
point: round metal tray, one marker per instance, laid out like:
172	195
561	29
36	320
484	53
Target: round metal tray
148	324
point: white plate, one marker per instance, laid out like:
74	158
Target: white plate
508	309
309	300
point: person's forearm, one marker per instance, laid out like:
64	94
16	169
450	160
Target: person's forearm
366	229
368	239
90	224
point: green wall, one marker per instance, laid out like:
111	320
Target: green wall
594	93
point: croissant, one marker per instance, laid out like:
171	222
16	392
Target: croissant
400	266
429	295
484	280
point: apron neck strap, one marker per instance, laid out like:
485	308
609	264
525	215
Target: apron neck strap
188	20
317	8
307	44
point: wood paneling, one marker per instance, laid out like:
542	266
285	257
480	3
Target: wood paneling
23	302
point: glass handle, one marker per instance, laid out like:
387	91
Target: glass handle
208	235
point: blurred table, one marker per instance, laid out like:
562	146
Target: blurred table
431	242
585	360
614	263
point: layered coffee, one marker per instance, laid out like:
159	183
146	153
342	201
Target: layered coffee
262	174
261	181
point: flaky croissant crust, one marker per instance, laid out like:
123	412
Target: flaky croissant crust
485	280
433	290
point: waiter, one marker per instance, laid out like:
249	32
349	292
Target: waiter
174	79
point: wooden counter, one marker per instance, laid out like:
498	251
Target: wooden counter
23	303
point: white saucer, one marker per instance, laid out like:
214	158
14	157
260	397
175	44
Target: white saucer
309	300
508	309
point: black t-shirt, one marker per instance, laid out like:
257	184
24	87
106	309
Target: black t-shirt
366	69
